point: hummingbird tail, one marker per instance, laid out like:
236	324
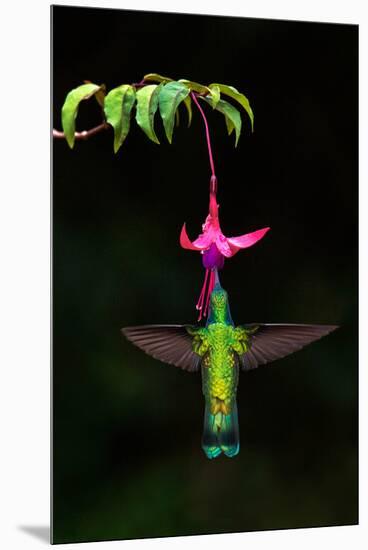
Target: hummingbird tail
220	433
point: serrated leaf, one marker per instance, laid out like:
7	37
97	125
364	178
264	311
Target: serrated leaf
154	77
147	104
118	105
230	113
188	106
239	97
69	110
195	86
171	95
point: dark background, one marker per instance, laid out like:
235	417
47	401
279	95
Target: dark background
127	429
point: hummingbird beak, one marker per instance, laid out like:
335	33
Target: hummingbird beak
217	280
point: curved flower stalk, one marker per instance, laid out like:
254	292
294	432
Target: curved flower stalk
215	247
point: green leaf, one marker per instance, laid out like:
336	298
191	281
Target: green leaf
171	95
229	125
69	110
154	77
118	105
147	103
203	90
188	105
232	116
215	95
240	98
100	94
195	86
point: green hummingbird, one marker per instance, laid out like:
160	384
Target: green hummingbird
219	350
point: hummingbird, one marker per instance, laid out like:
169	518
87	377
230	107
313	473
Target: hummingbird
219	350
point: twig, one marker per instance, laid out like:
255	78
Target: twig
82	135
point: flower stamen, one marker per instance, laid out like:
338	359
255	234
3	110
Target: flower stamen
211	286
200	302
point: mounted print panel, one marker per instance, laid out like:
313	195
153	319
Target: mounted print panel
205	188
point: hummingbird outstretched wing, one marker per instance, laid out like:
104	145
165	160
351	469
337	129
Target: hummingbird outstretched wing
169	343
268	342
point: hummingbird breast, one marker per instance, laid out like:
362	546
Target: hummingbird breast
220	370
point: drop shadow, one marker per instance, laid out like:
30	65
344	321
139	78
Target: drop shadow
41	532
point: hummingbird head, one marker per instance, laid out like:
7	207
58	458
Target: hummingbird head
219	310
219	304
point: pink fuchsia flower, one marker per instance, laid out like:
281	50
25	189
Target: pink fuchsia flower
215	247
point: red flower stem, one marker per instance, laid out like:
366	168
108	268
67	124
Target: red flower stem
207	135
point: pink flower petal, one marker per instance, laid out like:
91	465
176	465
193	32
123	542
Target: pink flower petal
223	246
204	240
185	242
244	241
201	243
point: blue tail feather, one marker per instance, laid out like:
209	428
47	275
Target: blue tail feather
220	433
